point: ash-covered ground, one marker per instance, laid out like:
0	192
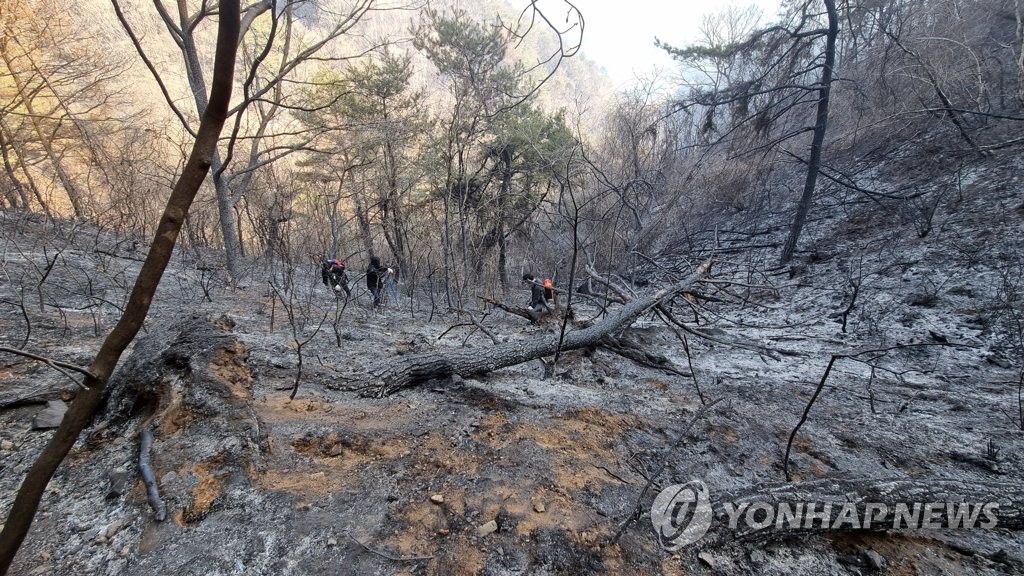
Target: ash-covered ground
527	470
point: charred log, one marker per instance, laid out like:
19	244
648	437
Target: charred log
391	377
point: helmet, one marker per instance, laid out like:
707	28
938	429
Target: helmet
548	283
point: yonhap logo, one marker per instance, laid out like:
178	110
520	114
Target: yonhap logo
681	514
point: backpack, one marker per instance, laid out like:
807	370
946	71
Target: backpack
333	268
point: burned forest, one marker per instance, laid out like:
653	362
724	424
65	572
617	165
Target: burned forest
354	287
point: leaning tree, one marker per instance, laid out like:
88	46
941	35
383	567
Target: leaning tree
90	399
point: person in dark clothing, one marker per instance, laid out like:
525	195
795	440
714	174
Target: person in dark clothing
332	272
376	276
537	301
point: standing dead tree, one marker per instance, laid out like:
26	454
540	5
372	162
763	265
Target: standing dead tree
764	82
26	502
287	297
820	127
869	357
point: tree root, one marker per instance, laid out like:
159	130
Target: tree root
148	477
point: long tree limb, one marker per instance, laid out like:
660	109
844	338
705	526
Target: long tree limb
19	519
807	410
873	355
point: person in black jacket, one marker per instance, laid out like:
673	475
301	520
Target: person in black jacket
376	275
537	301
332	272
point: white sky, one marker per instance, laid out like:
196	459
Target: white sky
619	34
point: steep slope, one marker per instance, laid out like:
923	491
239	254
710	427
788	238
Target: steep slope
335	483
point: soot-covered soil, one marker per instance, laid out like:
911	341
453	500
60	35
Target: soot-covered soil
524	471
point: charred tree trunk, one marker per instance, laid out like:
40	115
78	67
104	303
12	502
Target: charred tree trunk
16	192
393	216
820	127
363	219
414	370
225	202
19	519
504	196
8	135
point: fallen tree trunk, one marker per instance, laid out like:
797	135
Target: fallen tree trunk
414	370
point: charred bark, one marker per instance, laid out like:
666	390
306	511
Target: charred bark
392	376
817	142
149	477
524	312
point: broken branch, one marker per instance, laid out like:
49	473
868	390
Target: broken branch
654	477
620	296
524	312
57	365
387	556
